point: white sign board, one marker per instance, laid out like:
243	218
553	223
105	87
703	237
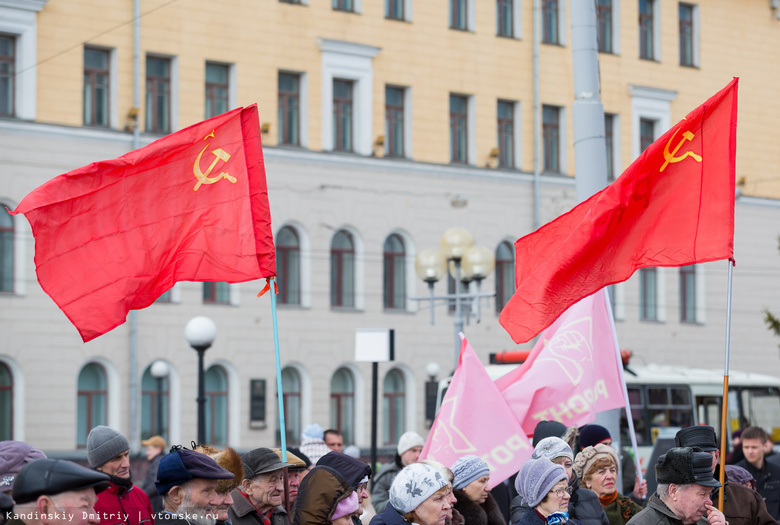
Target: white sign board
373	345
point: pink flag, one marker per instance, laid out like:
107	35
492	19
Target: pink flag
572	372
474	419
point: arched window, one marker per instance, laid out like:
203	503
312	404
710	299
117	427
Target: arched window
342	403
6	251
291	389
505	274
288	266
342	270
92	401
154	405
394	273
394	407
6	403
216	387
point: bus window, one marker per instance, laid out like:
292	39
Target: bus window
638	415
761	407
708	411
669	406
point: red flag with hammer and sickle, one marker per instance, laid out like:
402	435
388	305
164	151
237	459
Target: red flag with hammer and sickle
114	235
673	206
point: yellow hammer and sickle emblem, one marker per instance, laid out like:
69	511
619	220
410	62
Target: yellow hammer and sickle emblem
670	157
203	178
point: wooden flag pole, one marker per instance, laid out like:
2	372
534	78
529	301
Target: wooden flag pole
725	402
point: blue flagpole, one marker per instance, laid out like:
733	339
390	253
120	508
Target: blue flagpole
282	427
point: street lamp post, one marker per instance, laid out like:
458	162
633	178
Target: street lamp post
160	371
201	332
466	263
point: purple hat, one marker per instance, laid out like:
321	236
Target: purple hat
182	465
348	505
13	456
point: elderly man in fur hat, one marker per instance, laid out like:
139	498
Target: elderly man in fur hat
188	482
683	495
230	460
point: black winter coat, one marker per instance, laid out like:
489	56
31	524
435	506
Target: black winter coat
474	513
767	484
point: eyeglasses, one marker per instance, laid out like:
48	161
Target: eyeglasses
561	492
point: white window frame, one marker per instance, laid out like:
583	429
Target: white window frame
517	20
353	62
517	116
19	18
615	27
656	31
471	130
649	103
306	397
563	164
407	10
304	248
174	400
660	295
113	405
410	394
174	61
410	254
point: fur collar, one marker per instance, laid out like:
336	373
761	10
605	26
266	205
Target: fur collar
486	513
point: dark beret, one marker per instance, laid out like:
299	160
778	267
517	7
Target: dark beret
48	477
182	465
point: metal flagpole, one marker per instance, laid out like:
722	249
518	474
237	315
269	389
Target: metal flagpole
725	403
629	416
282	427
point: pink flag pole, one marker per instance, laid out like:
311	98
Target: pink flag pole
629	416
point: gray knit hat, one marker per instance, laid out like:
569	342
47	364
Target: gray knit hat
104	444
537	477
467	469
551	448
414	484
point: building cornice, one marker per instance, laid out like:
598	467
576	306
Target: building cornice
346	48
27	5
652	93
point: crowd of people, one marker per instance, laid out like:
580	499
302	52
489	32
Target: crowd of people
571	477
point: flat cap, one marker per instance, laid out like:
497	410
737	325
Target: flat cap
48	477
182	465
294	461
261	461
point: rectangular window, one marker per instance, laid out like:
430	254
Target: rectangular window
158	95
458	14
648	300
646	23
604	25
609	124
216	293
394	9
458	129
686	35
96	86
216	89
298	2
289	109
394	121
688	294
504	18
506	134
551	138
646	133
550	22
7	72
344	5
342	115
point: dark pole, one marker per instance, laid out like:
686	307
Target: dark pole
201	396
374	391
160	406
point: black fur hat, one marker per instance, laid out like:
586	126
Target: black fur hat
685	465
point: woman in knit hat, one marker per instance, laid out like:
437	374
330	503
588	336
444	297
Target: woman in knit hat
454	517
583	504
471	487
597	469
324	498
544	486
420	494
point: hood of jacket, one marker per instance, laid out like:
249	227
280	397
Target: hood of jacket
318	494
351	469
